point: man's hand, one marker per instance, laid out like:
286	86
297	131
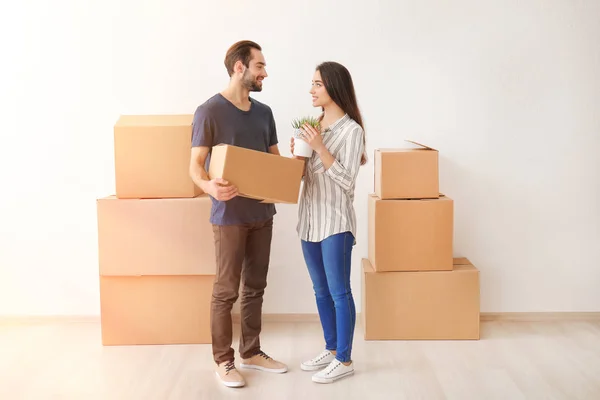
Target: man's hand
220	189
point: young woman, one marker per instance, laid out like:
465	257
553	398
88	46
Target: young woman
327	221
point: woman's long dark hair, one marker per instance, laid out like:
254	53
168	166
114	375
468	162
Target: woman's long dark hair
339	86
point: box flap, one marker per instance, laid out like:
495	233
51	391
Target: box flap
464	269
419	144
367	266
265	201
461	261
414	146
261	199
272	201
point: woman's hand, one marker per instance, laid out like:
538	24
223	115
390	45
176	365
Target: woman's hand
313	137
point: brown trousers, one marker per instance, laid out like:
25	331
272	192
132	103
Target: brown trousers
243	254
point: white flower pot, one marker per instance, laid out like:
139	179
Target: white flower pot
301	148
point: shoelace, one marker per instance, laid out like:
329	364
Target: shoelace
264	355
323	355
229	366
332	367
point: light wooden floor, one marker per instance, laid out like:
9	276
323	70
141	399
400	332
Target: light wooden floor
514	360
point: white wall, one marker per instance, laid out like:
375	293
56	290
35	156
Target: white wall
508	92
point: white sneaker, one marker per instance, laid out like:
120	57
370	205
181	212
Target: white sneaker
319	362
334	371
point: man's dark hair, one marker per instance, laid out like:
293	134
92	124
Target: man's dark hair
240	51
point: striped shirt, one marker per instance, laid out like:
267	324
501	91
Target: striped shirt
326	206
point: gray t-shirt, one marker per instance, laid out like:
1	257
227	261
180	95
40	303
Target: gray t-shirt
218	121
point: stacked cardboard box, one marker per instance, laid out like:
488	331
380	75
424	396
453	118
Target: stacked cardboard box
155	241
155	246
412	286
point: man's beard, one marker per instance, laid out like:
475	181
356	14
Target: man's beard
250	82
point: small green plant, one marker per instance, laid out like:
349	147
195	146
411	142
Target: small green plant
299	122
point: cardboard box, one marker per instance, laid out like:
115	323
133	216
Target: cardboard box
258	175
155	310
155	236
411	235
442	305
152	156
407	173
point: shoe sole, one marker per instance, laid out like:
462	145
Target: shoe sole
331	380
230	384
305	367
259	368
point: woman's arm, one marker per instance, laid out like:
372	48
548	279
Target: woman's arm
326	157
343	169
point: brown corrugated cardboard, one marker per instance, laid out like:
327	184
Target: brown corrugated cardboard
152	156
155	236
411	235
407	173
461	261
155	310
258	175
421	305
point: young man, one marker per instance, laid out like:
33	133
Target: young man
242	227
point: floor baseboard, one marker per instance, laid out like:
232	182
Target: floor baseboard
301	318
287	318
540	316
484	317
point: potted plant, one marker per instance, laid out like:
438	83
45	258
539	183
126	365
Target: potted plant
301	148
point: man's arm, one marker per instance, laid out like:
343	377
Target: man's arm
274	150
202	140
197	171
217	188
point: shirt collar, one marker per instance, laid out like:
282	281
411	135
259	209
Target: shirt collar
337	123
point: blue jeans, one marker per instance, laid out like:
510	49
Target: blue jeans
329	268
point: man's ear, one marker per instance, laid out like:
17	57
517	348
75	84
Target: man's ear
239	67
